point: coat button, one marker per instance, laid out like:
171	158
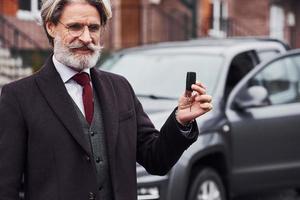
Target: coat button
87	158
92	133
91	196
98	159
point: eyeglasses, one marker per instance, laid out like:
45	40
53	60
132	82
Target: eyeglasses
77	29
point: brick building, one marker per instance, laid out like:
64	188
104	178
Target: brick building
275	18
137	22
19	28
288	13
165	20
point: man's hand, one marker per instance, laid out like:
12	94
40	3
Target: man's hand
194	106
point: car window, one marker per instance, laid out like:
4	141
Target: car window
164	74
281	78
267	54
240	65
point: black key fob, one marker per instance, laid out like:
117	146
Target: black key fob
190	80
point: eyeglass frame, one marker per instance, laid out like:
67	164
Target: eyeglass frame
91	32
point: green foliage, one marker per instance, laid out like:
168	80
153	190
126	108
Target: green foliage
32	58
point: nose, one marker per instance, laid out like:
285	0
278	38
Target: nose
85	37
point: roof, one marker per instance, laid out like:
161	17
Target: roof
205	45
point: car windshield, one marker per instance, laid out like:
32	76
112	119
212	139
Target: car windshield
163	75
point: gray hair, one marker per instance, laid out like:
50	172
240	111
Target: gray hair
51	11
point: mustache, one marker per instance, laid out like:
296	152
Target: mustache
90	46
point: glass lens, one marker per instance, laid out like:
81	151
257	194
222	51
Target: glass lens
76	29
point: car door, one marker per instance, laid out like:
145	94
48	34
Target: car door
265	134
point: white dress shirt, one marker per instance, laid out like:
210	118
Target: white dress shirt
73	88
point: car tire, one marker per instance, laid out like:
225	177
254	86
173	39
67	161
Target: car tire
207	185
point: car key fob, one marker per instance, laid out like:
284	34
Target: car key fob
190	80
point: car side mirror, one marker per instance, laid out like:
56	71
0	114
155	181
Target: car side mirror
254	96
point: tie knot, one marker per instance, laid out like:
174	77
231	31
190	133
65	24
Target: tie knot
82	78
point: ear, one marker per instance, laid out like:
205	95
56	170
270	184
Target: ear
51	28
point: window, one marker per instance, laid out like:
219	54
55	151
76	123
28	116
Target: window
220	13
25	5
239	67
281	78
277	22
143	70
267	55
39	5
29	9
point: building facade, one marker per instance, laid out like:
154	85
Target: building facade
137	22
263	18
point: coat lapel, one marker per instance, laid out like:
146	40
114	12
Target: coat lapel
109	106
54	91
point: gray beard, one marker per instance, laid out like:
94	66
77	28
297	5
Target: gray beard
78	62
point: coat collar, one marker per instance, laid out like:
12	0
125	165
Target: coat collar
56	94
54	91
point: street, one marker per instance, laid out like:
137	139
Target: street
278	195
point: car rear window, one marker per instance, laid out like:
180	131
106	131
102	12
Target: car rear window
164	74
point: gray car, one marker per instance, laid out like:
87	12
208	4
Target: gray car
249	141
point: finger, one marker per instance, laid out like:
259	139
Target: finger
193	97
200	90
182	107
201	84
206	106
203	98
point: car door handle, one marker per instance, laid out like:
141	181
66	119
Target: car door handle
225	128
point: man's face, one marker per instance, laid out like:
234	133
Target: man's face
77	36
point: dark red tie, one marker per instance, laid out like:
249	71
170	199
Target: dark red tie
83	79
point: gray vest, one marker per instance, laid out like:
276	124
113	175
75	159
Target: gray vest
95	136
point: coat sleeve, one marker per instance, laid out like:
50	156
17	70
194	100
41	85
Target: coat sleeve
158	151
12	145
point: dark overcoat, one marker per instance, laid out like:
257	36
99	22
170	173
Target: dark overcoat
41	138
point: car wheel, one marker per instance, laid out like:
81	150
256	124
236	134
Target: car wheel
207	185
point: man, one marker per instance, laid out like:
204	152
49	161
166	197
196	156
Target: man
75	139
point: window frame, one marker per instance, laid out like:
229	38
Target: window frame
243	84
252	55
32	14
219	16
285	76
277	20
262	58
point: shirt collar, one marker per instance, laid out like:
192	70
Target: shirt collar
66	73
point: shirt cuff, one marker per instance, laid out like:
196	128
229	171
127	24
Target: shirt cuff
186	130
